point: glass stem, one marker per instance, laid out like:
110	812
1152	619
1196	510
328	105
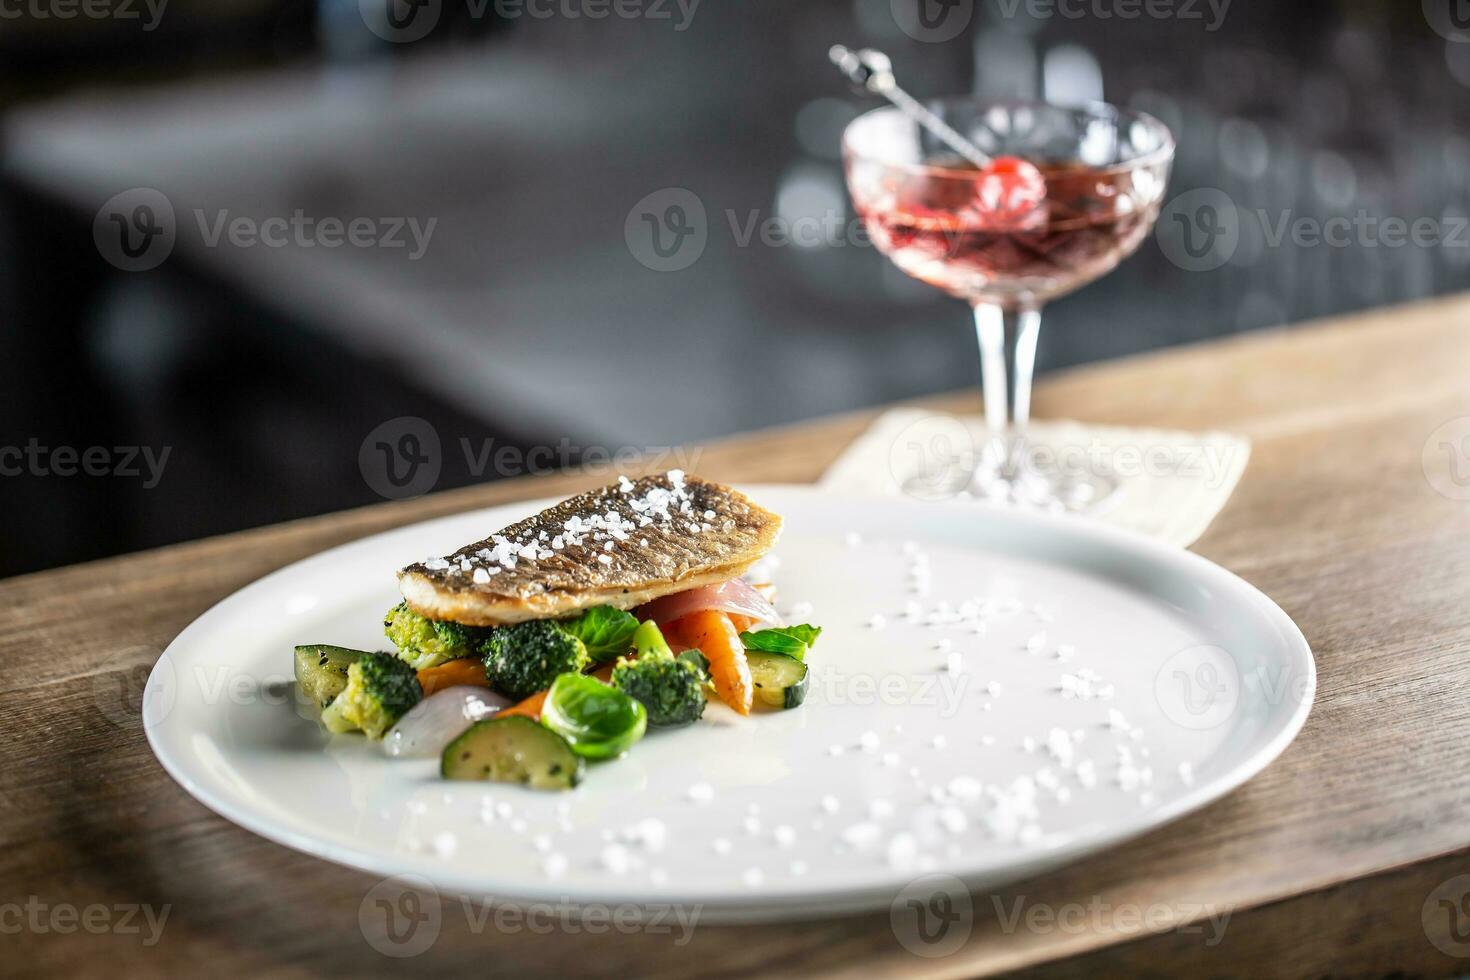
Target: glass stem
1007	406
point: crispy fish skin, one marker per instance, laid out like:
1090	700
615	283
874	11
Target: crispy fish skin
707	534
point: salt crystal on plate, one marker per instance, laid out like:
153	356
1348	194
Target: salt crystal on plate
902	850
862	835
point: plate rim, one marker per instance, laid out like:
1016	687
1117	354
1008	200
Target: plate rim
727	905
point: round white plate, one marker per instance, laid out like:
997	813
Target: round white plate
993	694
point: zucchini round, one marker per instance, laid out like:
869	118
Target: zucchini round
513	750
321	671
780	681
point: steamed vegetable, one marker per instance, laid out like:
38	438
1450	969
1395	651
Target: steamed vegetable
513	750
649	639
712	633
780	680
793	641
529	708
527	657
380	690
438	718
670	689
598	721
468	670
605	632
424	642
321	671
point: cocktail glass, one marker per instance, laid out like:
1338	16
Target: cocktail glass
1070	193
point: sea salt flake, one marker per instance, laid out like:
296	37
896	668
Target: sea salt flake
862	835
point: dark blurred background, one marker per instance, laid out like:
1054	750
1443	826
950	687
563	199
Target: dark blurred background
519	137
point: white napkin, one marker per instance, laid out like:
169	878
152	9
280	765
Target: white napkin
1170	485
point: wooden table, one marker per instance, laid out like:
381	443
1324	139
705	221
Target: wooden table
1325	861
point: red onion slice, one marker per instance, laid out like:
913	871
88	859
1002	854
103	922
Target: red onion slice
735	596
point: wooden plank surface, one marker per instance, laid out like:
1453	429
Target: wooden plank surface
1325	863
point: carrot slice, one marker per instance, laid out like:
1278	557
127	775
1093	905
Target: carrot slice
718	639
529	708
466	670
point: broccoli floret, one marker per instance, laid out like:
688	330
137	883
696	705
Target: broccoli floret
380	688
671	689
525	658
424	642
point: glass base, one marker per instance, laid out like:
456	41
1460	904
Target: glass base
999	479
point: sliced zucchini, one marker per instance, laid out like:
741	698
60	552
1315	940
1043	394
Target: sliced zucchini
780	681
321	671
513	750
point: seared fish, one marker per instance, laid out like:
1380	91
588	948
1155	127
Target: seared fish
620	546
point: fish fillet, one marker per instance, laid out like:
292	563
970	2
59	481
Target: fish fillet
621	546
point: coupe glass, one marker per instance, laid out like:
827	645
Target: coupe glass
1008	239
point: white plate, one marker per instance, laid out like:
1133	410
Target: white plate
1101	685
